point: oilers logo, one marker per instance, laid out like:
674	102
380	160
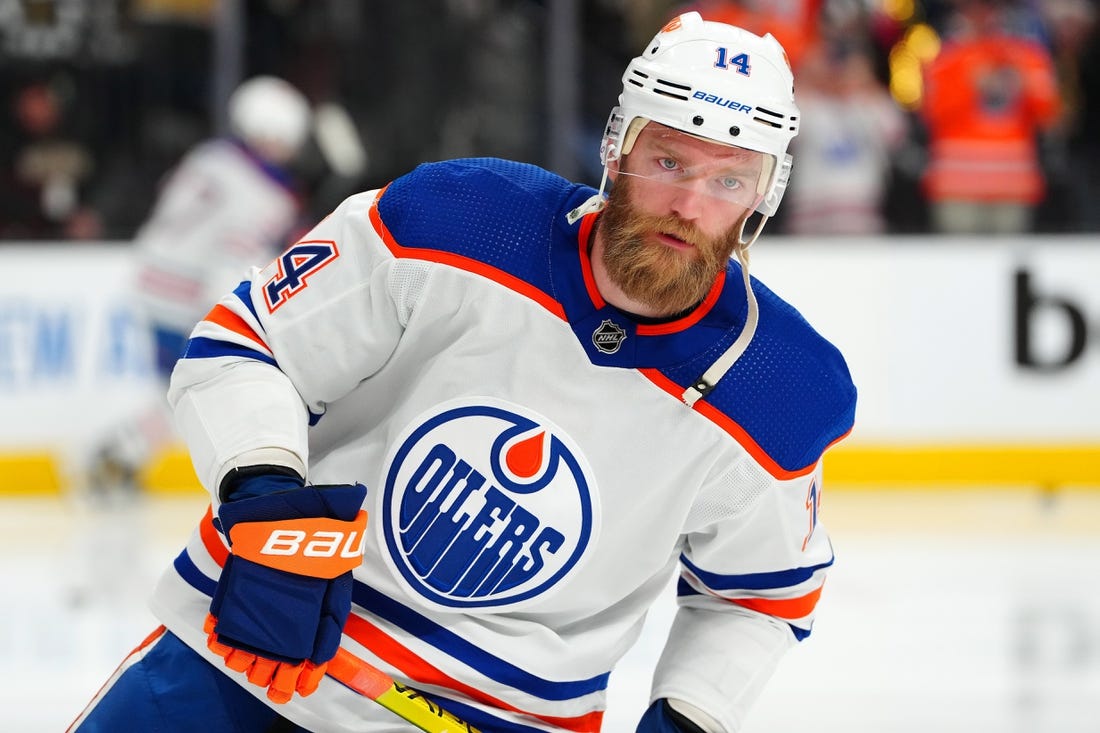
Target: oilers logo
485	505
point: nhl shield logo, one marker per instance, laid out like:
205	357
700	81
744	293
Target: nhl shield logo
608	337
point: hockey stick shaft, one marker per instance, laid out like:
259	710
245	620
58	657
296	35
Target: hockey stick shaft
405	702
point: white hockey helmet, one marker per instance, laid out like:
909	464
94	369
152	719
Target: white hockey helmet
717	82
270	115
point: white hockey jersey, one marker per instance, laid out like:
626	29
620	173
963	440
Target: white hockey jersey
534	478
220	211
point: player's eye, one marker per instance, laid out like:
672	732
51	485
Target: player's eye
731	183
668	164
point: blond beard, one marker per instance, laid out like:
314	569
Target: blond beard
667	280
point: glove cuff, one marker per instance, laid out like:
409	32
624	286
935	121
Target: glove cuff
253	481
682	721
340	501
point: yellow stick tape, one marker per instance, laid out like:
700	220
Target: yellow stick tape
421	712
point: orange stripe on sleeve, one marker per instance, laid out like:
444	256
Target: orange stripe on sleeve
788	608
211	540
229	320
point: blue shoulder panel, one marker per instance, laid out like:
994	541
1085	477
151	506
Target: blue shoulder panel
498	212
790	391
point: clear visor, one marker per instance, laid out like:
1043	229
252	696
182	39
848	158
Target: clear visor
724	173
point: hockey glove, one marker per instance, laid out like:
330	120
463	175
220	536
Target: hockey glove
285	592
662	718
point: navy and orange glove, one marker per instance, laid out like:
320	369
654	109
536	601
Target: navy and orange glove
285	591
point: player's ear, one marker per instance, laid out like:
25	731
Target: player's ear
613	167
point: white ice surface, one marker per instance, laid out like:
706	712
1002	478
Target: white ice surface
945	612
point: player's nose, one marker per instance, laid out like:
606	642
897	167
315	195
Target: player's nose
688	200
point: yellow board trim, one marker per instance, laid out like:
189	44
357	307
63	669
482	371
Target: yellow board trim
1044	466
34	473
170	473
858	465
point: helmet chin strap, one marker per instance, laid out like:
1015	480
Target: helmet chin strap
704	384
592	204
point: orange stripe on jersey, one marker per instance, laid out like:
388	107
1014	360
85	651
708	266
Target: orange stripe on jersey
682	324
583	236
229	320
463	263
787	608
419	670
211	540
153	636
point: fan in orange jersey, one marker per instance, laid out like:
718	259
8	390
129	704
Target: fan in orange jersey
989	95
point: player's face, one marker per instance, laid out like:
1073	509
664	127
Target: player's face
673	217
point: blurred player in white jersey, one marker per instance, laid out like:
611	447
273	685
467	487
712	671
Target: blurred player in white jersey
548	402
229	204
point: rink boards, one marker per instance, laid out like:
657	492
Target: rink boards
977	363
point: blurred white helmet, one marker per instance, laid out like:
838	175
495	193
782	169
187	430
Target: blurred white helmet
269	114
713	81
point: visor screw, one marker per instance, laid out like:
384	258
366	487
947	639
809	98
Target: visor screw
696	120
735	131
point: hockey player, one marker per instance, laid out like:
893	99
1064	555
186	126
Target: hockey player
546	402
229	204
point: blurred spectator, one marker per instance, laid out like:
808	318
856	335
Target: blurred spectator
150	112
1072	31
136	80
988	95
421	80
229	204
133	81
43	163
850	126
